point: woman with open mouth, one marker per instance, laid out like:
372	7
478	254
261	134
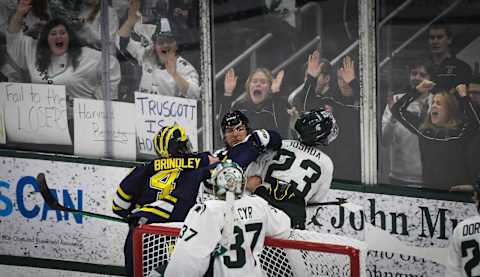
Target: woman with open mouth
58	58
444	134
262	102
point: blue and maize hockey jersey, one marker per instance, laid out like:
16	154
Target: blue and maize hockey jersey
254	144
163	190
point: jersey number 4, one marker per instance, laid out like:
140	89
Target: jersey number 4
305	186
164	181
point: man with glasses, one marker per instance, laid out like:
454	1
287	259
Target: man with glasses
242	145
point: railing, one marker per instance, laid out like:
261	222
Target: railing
244	55
385	20
418	33
297	55
318	19
251	51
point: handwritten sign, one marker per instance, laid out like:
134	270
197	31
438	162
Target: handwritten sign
92	135
155	111
35	113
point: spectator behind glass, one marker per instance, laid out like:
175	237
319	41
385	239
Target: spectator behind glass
90	31
404	151
318	91
342	100
346	109
183	15
34	20
473	151
32	24
444	134
448	71
261	102
57	58
474	90
163	72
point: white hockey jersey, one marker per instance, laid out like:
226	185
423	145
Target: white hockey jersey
464	249
306	168
201	233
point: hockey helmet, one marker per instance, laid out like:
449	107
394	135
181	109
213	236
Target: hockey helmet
234	118
172	141
316	127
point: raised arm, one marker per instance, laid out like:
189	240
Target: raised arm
313	69
225	99
472	121
408	119
16	22
132	19
186	78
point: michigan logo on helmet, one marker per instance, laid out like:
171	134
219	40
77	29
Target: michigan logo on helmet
172	141
316	127
228	177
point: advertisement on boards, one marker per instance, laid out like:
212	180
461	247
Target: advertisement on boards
29	228
406	236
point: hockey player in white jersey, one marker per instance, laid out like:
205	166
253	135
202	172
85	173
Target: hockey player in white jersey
224	237
298	173
464	248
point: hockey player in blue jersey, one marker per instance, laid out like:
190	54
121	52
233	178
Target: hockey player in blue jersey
164	189
243	145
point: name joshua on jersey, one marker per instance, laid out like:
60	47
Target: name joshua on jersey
169	163
307	149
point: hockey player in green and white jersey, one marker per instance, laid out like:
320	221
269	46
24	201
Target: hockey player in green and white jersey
224	237
464	248
298	173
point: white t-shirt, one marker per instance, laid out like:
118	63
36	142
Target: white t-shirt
85	81
157	80
201	233
305	167
464	249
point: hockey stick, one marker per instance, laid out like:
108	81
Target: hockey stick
340	202
52	202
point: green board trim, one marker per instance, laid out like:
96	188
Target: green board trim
62	265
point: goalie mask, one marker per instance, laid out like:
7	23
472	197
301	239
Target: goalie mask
172	141
316	127
228	177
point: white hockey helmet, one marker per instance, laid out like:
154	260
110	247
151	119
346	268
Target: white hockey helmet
228	177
